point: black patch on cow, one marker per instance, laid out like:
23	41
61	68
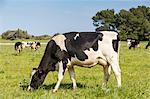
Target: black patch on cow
84	41
38	78
115	44
53	54
38	44
17	44
63	56
49	60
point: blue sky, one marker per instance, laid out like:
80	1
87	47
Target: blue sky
41	17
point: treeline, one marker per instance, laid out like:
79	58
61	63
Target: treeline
21	34
133	23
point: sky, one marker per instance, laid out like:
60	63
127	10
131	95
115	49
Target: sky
40	17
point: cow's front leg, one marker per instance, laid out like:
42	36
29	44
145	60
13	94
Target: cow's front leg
72	76
61	71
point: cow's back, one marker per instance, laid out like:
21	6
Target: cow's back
76	43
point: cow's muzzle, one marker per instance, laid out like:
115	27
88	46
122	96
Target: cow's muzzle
30	88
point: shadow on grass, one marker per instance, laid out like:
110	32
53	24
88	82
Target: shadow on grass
62	86
24	87
15	54
51	86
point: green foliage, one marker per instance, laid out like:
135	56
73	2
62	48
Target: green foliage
106	18
15	75
134	23
42	37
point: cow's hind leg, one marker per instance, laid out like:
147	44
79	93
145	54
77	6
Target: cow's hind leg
61	71
114	63
117	72
107	71
72	76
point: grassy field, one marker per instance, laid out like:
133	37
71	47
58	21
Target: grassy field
15	73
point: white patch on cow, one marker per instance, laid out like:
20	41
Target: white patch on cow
33	72
60	41
30	88
93	58
128	42
77	35
60	76
111	35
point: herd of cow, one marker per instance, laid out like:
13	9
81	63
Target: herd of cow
19	46
85	49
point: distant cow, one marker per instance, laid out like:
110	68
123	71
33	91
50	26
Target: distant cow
148	44
35	45
32	45
84	49
133	43
18	46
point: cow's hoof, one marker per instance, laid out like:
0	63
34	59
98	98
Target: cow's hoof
54	91
30	89
106	90
75	88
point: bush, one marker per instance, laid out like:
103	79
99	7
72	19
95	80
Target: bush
15	34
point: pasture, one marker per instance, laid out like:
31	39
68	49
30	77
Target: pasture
15	74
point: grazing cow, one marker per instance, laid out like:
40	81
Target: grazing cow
84	49
18	46
27	44
35	45
133	43
148	44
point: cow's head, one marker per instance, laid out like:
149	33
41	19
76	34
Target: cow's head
37	78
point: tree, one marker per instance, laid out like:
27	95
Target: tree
104	20
131	24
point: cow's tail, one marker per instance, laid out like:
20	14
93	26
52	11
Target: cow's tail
119	44
116	44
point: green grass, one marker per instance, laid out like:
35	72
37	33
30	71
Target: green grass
15	74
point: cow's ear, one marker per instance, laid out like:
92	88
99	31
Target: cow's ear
34	69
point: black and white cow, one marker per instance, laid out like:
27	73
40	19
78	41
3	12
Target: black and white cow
133	43
32	45
84	49
35	45
18	47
